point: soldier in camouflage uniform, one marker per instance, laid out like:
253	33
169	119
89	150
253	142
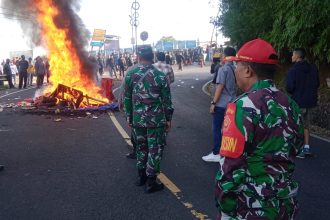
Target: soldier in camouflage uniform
262	133
148	108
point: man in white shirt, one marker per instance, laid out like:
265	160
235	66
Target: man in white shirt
165	68
14	71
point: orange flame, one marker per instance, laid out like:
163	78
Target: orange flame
65	64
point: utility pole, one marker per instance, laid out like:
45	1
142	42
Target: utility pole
134	22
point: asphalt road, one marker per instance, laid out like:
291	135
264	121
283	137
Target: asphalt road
76	168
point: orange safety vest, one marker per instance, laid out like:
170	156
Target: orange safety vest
233	141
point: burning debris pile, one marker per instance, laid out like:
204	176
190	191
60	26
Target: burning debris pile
67	97
60	30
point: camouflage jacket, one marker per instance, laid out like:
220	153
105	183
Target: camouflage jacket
261	176
147	103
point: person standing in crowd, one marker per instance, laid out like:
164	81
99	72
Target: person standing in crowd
148	108
168	59
179	60
14	72
22	72
100	65
110	63
121	64
215	66
47	67
165	68
302	83
201	59
129	61
262	132
40	70
8	73
225	92
31	72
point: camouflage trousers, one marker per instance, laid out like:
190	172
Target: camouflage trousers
277	209
150	144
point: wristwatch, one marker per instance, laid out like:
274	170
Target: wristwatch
213	103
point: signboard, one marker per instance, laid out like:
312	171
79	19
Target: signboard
159	46
96	43
144	36
168	45
181	44
98	35
191	44
109	38
128	50
112	45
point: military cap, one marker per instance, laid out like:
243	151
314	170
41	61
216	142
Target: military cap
144	50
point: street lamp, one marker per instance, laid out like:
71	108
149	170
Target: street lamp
134	22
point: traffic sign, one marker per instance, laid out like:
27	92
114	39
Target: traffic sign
97	43
144	35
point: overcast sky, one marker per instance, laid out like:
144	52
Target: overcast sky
182	19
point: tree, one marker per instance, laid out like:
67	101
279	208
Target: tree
285	23
244	20
303	23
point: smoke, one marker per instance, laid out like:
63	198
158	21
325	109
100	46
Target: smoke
26	14
78	33
23	12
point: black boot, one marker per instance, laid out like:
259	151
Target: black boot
153	185
2	167
142	178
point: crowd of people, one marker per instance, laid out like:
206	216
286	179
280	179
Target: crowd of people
118	63
258	129
257	133
26	71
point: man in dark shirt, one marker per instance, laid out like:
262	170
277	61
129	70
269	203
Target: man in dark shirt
110	63
23	65
302	83
168	59
8	73
179	60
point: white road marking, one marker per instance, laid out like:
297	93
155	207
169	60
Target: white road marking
166	181
22	90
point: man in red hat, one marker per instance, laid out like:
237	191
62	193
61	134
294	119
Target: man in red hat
262	132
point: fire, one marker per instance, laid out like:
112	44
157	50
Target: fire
65	64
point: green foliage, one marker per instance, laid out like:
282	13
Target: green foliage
167	39
285	23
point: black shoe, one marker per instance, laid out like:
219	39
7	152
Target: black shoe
142	178
131	155
153	185
2	167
